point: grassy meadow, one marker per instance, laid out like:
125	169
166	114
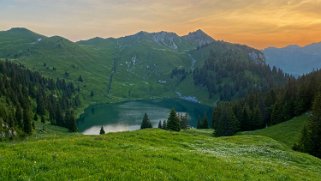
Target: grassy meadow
288	132
153	154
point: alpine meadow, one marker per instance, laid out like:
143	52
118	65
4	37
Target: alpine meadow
149	90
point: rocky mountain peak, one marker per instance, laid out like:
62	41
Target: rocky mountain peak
166	38
199	37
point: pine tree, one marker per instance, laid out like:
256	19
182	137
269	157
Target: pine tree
19	116
80	79
27	124
315	126
164	124
202	123
43	119
305	143
245	119
225	123
199	124
173	121
71	120
256	119
183	121
40	105
277	114
205	122
35	117
1	128
102	131
311	134
146	122
160	125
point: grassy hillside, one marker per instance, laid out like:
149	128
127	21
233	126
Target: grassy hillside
288	132
133	67
154	155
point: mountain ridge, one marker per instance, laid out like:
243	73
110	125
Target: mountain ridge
170	40
161	63
294	59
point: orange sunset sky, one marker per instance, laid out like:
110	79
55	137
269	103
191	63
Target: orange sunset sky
253	22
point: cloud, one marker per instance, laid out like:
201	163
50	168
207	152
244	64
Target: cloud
258	23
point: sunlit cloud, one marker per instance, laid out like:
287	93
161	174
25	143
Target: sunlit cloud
257	23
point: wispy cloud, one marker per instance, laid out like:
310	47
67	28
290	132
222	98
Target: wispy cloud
258	23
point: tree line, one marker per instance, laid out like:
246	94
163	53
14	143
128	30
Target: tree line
26	96
175	122
310	140
265	108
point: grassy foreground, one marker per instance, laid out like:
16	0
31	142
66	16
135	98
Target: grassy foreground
288	132
154	154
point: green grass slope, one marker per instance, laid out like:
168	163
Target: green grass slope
138	66
288	132
155	154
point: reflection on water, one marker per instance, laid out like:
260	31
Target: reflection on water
110	128
127	116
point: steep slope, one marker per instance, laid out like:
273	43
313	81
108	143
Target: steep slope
140	66
155	154
169	61
26	97
294	59
230	71
57	57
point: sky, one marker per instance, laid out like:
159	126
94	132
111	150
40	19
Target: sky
258	23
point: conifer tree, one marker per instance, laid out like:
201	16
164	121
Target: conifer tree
43	119
202	123
311	134
199	124
164	124
173	121
183	121
102	131
205	122
160	125
225	121
19	116
27	124
316	126
80	79
35	117
1	128
245	118
256	119
70	118
146	122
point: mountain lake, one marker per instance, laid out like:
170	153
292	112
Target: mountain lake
128	115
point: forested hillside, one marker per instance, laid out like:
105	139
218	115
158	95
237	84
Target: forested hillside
261	109
26	96
232	71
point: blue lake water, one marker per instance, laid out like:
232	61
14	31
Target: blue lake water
127	116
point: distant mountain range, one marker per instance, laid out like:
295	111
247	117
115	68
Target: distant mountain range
294	59
139	66
167	40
